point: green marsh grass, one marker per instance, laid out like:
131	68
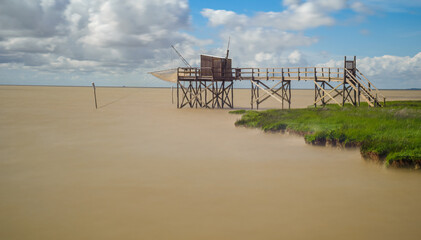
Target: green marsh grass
391	134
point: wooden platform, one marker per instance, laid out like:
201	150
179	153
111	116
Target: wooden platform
212	87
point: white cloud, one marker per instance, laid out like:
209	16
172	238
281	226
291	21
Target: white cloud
295	57
223	17
272	38
251	47
262	56
361	8
393	66
63	63
103	35
388	71
298	15
291	2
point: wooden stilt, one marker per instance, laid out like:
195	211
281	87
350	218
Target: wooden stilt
93	86
172	95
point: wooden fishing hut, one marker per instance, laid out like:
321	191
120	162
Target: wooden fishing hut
210	86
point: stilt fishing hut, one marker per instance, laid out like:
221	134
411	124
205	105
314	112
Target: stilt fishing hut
211	85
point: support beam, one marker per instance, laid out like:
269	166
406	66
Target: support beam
205	94
321	92
270	92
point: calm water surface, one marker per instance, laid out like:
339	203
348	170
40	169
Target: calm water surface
138	168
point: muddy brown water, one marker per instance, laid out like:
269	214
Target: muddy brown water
138	168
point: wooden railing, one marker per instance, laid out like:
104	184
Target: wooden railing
372	95
370	85
301	73
297	73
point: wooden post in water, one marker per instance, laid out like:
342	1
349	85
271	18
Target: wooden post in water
289	90
344	90
172	95
93	85
178	104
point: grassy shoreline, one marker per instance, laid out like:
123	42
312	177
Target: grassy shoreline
391	135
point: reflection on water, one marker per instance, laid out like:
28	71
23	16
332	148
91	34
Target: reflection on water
141	169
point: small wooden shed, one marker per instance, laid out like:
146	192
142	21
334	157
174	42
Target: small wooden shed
216	67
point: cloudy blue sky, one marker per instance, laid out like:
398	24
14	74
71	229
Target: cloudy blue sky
116	43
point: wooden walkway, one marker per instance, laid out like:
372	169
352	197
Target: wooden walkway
336	85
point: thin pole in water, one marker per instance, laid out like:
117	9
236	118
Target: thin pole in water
172	95
93	85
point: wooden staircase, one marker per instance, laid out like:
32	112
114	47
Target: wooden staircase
364	88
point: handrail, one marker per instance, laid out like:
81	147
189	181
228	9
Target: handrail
366	89
367	100
377	90
298	72
355	79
